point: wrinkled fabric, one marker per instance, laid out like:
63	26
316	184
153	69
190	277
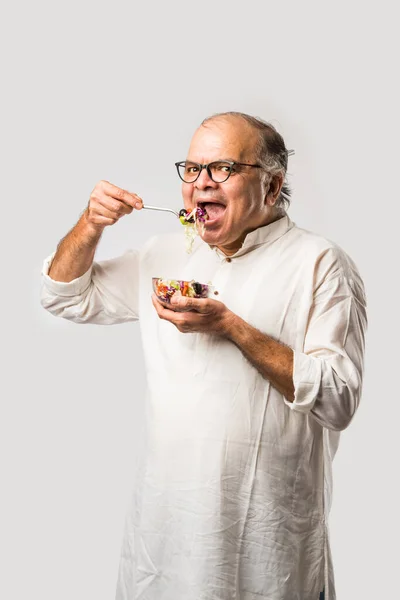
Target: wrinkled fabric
234	488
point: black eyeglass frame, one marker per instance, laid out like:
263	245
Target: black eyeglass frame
231	164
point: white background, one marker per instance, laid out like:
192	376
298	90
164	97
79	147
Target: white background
114	91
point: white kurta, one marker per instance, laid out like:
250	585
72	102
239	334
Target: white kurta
234	490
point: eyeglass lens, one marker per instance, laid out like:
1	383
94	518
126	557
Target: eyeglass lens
190	171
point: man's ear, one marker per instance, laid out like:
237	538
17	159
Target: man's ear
274	189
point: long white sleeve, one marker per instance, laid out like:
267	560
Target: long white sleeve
106	294
328	373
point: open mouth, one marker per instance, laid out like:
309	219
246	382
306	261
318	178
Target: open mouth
214	210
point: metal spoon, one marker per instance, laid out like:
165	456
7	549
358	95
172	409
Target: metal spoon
162	209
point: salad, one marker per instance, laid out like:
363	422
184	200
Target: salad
194	224
165	288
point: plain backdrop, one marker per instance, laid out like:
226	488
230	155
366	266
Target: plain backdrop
114	90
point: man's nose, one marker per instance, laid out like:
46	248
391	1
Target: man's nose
204	181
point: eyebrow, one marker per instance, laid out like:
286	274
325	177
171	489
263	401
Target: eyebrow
216	160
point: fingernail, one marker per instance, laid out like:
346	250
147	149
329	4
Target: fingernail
138	205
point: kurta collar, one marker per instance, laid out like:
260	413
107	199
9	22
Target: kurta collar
263	235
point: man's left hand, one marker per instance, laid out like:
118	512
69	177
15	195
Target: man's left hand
200	315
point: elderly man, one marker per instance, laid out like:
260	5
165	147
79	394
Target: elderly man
248	391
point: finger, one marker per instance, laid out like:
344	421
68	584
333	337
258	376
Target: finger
170	305
120	194
110	207
184	303
176	318
156	303
163	311
98	214
99	219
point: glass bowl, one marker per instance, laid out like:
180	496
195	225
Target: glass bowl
164	289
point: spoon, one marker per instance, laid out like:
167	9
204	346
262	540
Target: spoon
163	209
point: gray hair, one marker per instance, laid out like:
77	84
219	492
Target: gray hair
271	152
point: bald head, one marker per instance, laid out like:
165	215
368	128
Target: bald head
267	145
226	137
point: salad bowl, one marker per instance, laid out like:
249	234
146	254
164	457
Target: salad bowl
164	289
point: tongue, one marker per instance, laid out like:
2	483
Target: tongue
214	210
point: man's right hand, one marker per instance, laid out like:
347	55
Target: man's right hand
108	203
75	253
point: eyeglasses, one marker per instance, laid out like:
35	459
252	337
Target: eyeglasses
219	170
